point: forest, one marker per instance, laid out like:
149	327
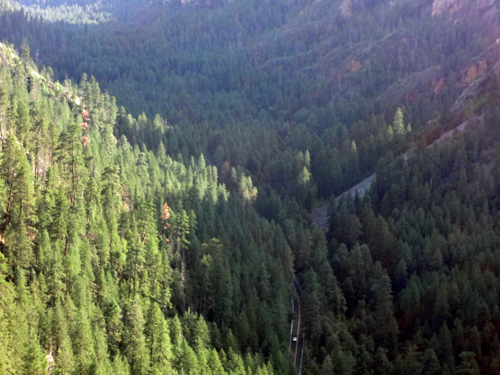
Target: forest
162	166
124	251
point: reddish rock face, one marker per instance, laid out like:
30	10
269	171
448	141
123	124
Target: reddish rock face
439	87
474	71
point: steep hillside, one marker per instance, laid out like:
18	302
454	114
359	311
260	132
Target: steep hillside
407	255
119	259
194	222
255	84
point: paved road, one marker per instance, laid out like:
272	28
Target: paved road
297	330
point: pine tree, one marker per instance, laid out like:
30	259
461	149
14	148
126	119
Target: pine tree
327	366
34	361
445	348
62	348
468	364
188	363
311	307
20	218
120	366
6	307
158	340
386	325
23	124
214	363
102	364
397	124
83	343
135	343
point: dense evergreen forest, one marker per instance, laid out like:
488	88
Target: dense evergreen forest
255	83
160	232
118	259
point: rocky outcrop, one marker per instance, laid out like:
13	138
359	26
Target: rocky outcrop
321	215
410	87
476	77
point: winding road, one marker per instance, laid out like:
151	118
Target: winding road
297	329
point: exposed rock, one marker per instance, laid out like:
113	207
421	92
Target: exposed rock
359	189
409	88
439	87
474	71
354	66
346	8
477	76
450	134
320	214
470	92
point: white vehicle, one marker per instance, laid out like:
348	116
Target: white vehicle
294	338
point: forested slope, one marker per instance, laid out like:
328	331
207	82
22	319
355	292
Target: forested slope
417	259
247	80
193	222
99	272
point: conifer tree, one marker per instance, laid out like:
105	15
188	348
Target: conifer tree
83	343
34	361
214	363
158	340
134	340
102	364
62	348
397	124
20	213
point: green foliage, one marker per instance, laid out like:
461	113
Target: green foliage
94	274
257	102
260	121
416	291
90	14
